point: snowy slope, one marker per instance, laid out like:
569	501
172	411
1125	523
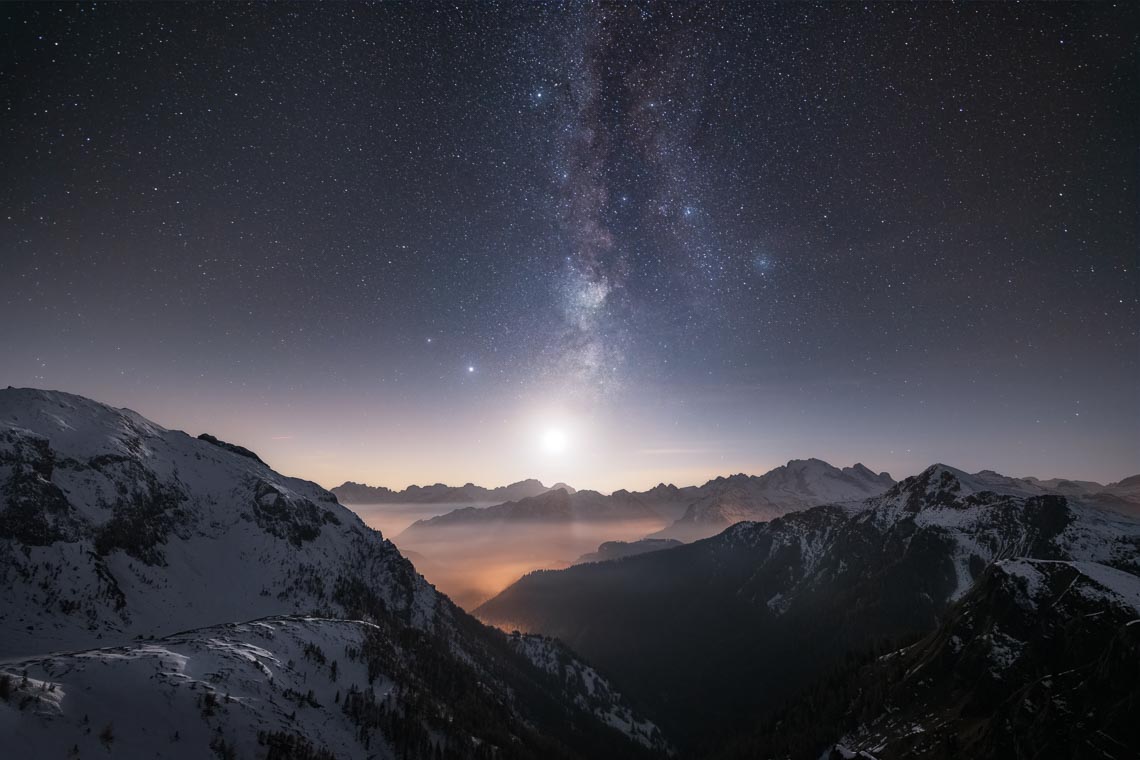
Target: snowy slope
986	519
173	697
812	586
112	527
139	550
243	688
593	692
1039	660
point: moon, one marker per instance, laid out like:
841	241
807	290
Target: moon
554	440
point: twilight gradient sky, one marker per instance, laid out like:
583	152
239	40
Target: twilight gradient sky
404	242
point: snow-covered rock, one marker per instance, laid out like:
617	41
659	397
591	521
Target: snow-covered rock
764	608
593	692
113	527
130	554
1039	659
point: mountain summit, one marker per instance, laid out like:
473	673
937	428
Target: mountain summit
779	603
211	606
799	484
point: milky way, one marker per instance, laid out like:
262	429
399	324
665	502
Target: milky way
370	238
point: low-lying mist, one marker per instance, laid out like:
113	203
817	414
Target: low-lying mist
471	563
393	519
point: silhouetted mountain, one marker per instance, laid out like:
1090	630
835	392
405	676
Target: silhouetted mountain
692	512
1039	659
134	546
357	493
618	549
551	507
713	634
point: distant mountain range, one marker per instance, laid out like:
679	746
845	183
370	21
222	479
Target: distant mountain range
358	493
689	513
135	548
170	596
555	506
799	484
696	512
763	611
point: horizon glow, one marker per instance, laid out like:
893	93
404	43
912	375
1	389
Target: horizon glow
583	244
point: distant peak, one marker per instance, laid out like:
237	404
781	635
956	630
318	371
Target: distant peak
938	468
804	462
938	484
526	482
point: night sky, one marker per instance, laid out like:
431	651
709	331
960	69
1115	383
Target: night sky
599	243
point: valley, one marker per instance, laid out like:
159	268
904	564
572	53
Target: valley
268	619
573	380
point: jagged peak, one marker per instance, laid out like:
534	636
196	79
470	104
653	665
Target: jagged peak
803	463
233	448
863	470
937	483
939	467
523	482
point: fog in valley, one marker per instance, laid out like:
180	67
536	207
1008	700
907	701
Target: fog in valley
471	562
394	519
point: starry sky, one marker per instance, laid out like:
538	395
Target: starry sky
595	242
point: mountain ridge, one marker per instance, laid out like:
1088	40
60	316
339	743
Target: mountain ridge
130	549
812	586
350	492
690	512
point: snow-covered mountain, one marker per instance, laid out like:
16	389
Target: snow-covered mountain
763	609
331	688
1123	496
1039	659
805	483
358	493
688	513
799	484
113	527
140	550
